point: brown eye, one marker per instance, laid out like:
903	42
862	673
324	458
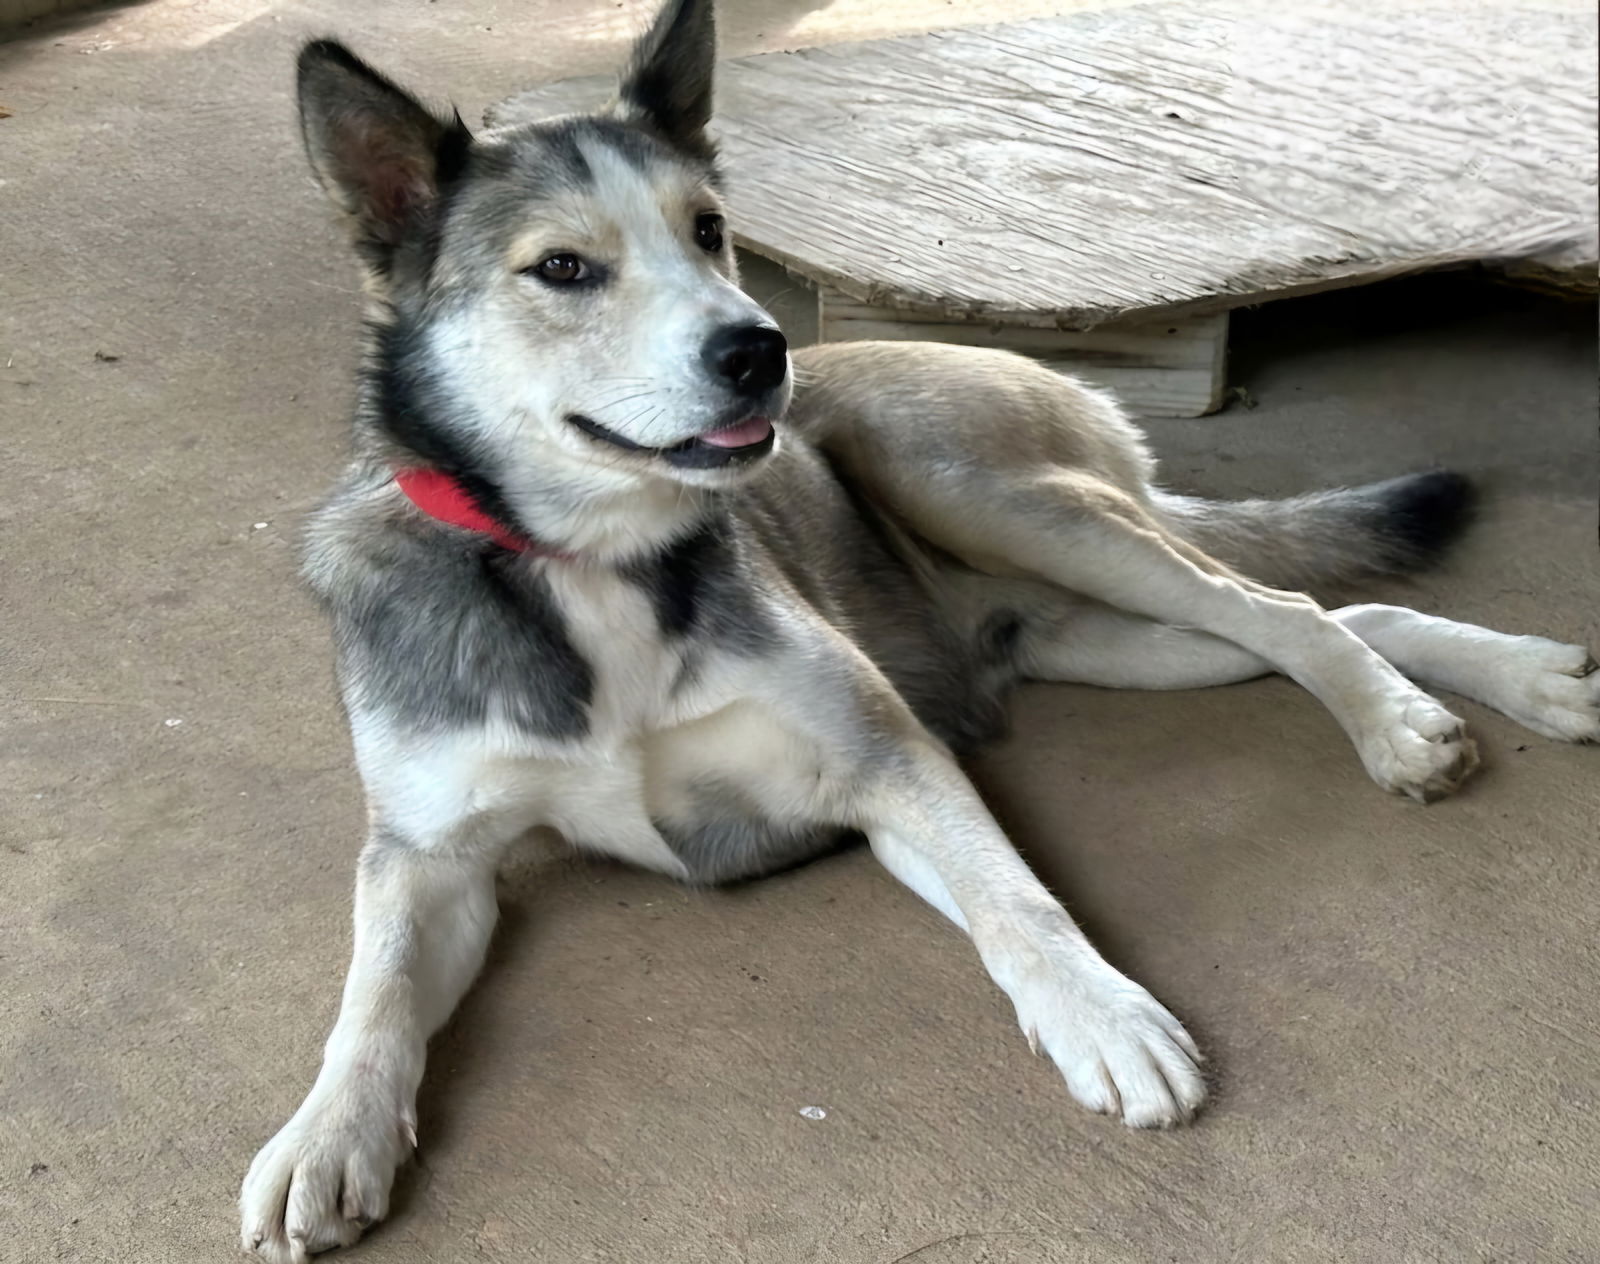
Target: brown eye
561	269
708	232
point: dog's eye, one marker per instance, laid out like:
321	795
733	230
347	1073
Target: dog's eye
708	232
561	269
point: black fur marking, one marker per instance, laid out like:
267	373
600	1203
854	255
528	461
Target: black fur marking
698	588
676	577
450	155
452	160
997	641
1419	516
404	414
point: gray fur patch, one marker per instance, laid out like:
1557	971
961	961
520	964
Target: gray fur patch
731	840
443	630
508	173
836	549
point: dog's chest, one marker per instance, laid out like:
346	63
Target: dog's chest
643	679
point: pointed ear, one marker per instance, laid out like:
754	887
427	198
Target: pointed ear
668	82
379	153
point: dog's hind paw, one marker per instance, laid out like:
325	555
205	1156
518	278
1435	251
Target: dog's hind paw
1421	750
325	1177
1548	687
1119	1049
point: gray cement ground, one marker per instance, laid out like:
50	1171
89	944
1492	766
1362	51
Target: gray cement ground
1399	1002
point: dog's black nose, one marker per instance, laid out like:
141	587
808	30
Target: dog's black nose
750	358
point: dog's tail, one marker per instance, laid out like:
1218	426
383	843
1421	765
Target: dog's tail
1401	525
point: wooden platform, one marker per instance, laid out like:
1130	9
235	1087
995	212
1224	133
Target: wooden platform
1100	189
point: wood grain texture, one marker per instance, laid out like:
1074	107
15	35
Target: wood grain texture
1172	367
1160	159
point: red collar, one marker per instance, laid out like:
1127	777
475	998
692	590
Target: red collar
441	496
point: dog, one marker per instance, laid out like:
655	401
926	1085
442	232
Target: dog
609	560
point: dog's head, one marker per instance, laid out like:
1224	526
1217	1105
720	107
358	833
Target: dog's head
561	295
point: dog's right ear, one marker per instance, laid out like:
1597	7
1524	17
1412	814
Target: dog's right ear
381	155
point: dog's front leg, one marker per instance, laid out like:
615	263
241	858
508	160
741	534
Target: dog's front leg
423	916
1120	1051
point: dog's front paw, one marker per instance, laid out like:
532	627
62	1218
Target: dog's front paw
1119	1049
1551	688
326	1175
1419	749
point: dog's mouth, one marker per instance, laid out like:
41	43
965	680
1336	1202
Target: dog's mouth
742	441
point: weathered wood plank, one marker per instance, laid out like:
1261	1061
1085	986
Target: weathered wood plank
1167	368
1162	159
792	300
1174	367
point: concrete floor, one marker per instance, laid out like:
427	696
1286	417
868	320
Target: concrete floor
1399	1003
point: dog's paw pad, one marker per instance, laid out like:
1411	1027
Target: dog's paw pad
323	1179
1551	688
1119	1050
1422	752
1128	1061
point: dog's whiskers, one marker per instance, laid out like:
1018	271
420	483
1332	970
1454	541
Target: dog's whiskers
617	403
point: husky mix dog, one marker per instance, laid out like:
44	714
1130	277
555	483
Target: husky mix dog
608	560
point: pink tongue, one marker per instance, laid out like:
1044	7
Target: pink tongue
740	436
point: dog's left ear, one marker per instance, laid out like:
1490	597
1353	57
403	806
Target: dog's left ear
668	82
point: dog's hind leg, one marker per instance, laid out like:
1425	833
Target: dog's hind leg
1548	687
1543	685
1096	645
1091	538
424	910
